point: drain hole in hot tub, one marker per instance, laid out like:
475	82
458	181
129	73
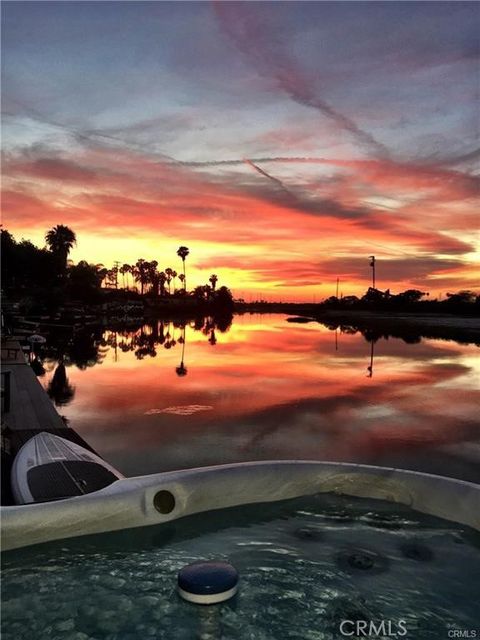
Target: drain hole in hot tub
362	561
164	501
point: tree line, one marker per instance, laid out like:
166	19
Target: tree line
160	283
47	272
412	299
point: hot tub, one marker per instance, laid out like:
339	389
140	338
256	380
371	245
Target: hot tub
323	551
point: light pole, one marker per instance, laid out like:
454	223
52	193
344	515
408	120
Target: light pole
372	264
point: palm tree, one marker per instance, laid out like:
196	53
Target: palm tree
162	280
169	273
183	253
125	268
109	278
174	275
213	279
60	240
101	272
140	273
153	277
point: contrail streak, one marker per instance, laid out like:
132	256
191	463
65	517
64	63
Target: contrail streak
267	175
235	161
270	60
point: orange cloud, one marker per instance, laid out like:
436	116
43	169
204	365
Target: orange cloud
245	225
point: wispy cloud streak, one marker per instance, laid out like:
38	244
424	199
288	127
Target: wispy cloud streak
86	137
270	60
436	174
262	172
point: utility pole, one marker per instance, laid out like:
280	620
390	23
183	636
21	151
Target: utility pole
372	264
372	355
336	295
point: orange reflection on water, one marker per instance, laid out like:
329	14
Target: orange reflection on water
268	389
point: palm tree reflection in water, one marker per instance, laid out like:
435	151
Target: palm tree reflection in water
59	388
181	370
88	347
145	339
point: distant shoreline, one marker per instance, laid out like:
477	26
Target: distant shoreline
317	311
436	325
410	323
462	328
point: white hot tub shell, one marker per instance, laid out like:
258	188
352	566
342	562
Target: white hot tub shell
158	498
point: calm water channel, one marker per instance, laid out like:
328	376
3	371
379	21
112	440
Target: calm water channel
169	396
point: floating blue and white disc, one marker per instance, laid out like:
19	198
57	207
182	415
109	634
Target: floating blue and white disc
207	582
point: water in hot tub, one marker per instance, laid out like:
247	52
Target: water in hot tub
315	568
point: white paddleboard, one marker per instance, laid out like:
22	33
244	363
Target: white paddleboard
49	467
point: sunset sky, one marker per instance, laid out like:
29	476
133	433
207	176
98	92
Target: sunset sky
282	142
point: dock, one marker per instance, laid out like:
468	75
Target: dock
26	410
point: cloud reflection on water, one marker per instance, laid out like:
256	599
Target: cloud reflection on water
186	410
267	390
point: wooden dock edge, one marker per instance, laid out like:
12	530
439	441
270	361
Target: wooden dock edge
26	412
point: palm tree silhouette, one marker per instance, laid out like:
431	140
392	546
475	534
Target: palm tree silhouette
151	270
140	273
213	279
183	253
181	370
60	240
109	278
162	280
169	274
124	269
153	277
